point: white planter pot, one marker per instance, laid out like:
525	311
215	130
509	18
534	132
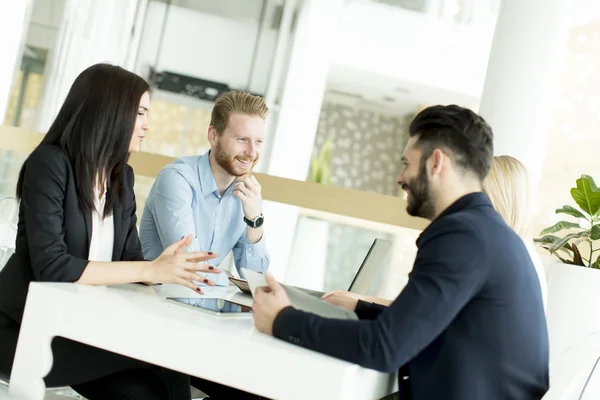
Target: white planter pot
573	312
309	254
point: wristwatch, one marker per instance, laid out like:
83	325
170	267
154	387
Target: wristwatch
256	222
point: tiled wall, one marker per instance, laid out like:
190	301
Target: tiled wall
366	149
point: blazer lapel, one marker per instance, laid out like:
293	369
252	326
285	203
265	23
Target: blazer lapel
118	223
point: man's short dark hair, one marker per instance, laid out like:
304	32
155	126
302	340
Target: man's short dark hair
464	135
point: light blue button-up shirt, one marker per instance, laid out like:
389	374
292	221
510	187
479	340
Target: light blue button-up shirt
185	200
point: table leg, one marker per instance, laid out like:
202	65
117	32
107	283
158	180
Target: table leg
33	358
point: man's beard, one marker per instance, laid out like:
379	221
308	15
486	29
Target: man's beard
420	193
228	163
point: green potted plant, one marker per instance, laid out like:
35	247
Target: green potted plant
582	233
320	164
573	280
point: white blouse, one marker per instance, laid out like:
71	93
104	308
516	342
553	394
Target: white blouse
103	231
539	268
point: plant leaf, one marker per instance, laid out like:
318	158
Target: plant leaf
319	175
596	263
580	240
557	245
577	260
572	211
559	226
595	232
551	239
586	194
320	163
563	249
313	168
325	158
591	181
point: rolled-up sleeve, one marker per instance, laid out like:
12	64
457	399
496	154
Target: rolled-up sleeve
252	256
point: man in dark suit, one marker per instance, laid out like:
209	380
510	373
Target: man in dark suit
470	322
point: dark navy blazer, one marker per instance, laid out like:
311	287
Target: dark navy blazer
469	325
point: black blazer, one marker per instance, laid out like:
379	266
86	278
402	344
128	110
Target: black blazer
469	325
53	236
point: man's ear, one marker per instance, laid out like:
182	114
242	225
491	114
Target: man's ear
212	135
437	159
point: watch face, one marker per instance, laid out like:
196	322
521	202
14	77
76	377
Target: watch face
259	221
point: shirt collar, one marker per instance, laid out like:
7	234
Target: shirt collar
99	202
207	179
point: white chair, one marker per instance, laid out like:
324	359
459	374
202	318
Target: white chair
575	375
4	393
582	384
3	383
591	390
9	217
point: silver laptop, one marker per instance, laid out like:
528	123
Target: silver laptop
301	300
365	276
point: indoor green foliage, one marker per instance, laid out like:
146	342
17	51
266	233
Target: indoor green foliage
584	232
320	165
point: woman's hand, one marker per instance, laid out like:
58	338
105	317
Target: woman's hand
349	300
342	298
176	266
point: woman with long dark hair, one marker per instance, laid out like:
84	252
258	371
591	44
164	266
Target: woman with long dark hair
77	223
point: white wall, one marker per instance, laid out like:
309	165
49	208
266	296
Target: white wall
584	12
300	108
520	87
387	41
91	32
206	46
46	17
234	9
414	47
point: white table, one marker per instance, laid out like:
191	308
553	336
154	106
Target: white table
133	321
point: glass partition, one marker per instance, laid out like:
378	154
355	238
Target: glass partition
328	250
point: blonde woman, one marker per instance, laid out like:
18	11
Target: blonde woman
507	186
